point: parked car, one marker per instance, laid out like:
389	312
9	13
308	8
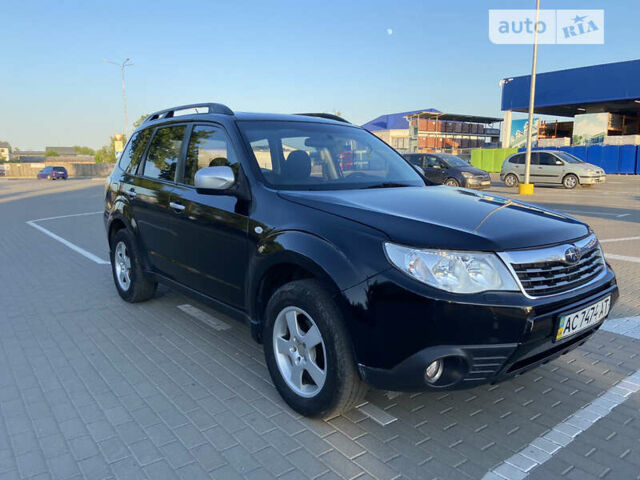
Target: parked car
53	173
551	166
449	170
349	279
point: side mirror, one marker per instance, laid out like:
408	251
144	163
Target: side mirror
214	180
559	162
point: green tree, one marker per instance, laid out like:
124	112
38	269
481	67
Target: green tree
50	152
138	122
105	154
80	150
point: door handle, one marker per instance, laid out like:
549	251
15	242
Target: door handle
178	207
131	193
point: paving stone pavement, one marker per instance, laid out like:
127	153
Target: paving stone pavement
92	387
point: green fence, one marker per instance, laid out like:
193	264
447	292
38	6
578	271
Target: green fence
490	159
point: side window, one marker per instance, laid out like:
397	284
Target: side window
208	147
164	152
546	159
415	160
431	162
535	156
132	154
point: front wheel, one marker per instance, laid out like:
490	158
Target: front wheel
132	283
308	351
451	182
510	180
570	181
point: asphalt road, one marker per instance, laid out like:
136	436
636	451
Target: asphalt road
92	387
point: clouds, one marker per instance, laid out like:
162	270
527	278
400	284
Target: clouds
389	31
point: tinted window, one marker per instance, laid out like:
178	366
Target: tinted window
517	159
432	162
208	147
132	154
59	169
415	159
164	152
546	159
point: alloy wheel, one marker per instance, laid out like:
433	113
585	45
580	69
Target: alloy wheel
122	265
300	351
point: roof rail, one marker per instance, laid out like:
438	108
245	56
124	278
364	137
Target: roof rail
169	112
329	116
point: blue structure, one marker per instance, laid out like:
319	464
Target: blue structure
612	87
394	121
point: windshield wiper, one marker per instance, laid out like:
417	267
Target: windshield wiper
387	185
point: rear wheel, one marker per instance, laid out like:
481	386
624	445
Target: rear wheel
308	351
570	181
451	182
511	180
132	283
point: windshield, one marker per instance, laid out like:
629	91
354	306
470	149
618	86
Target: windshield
567	157
452	160
321	156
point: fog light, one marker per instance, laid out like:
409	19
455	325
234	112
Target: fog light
433	371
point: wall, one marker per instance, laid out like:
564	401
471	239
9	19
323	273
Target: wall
21	170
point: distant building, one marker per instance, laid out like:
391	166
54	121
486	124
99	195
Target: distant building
63	150
5	151
431	130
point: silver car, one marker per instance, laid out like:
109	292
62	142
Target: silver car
551	166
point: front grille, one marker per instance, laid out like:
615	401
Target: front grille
553	275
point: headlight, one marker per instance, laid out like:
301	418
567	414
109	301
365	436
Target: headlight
590	170
457	272
467	174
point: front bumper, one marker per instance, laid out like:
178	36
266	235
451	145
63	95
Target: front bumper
593	180
476	183
492	338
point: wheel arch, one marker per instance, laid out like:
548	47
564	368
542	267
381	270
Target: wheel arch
289	256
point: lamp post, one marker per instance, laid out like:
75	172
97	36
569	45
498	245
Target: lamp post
123	65
527	188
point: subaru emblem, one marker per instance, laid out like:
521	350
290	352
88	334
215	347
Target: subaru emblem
572	255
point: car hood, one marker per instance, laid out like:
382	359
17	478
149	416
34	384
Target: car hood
445	217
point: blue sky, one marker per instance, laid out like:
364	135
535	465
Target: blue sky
276	56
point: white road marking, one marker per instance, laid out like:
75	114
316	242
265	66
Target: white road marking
621	239
623	215
65	216
67	243
544	447
588	212
377	414
204	317
624	258
628	326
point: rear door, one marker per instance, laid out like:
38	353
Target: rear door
150	194
211	249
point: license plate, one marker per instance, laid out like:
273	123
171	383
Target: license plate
576	322
485	183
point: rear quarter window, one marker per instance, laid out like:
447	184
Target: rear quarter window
132	154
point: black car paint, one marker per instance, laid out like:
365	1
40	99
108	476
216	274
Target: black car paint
221	247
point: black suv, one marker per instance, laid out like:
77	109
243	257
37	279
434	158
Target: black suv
364	275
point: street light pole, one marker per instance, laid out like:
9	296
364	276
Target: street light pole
123	65
527	188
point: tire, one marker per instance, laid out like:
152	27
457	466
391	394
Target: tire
138	287
452	182
312	307
570	181
511	180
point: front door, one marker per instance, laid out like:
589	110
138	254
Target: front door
550	169
213	250
434	169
